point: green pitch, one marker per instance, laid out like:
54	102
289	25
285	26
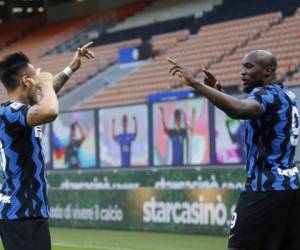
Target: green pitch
84	239
81	239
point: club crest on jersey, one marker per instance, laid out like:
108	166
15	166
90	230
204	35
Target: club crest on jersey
38	132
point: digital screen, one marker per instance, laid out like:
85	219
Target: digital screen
181	132
124	136
73	140
229	139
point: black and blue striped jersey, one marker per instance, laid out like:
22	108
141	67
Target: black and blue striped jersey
23	193
272	139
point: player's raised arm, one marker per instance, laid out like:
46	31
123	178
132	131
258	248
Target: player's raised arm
163	120
135	125
46	110
82	134
61	78
113	128
232	106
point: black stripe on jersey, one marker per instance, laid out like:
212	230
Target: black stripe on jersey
10	130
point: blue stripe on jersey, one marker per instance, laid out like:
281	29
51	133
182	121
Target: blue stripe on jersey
35	157
271	141
24	182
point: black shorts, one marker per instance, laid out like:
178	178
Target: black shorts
25	234
266	221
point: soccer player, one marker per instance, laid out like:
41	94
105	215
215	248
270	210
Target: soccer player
125	139
267	214
32	102
178	134
72	150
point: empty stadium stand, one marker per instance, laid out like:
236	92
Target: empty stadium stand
209	45
47	37
10	34
281	40
164	10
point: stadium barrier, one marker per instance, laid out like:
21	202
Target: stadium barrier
197	200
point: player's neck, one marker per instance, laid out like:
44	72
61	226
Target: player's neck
15	96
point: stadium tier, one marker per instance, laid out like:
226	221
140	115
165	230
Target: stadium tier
164	10
106	55
47	37
10	34
210	44
282	39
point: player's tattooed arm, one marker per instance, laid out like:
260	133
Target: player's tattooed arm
59	81
83	52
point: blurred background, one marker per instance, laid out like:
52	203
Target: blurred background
134	150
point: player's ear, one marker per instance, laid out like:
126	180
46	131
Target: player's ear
268	72
25	80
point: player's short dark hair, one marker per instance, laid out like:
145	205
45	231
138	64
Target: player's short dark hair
177	113
11	67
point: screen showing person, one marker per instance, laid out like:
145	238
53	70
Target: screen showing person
46	144
181	133
124	136
229	138
73	140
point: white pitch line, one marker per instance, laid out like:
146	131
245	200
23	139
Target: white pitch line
90	246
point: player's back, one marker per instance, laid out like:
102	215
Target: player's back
23	192
272	139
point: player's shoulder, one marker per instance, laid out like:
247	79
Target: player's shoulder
291	95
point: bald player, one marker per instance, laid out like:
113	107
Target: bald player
267	215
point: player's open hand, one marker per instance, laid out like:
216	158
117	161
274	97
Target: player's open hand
82	52
184	74
209	78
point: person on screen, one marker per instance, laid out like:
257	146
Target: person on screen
178	134
125	139
237	138
72	150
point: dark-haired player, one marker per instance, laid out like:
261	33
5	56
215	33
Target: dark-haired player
125	139
72	150
267	214
178	134
32	102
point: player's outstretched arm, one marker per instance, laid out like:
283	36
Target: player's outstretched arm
232	106
47	109
61	78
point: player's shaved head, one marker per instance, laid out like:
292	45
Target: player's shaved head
263	57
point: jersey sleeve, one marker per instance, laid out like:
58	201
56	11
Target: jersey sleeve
16	113
262	96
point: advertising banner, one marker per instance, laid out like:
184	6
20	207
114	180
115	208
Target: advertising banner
204	211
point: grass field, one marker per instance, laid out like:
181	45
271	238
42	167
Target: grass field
83	239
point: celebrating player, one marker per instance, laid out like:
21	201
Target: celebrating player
125	139
267	214
32	102
178	134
